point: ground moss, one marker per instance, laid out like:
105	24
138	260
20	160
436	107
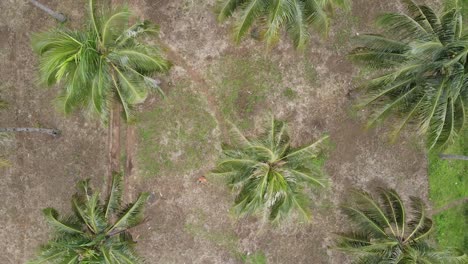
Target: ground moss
243	85
225	239
177	135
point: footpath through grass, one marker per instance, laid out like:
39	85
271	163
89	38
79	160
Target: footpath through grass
448	183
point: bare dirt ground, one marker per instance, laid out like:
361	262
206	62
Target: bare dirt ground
190	222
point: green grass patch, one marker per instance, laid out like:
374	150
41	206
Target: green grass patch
225	239
345	32
311	73
289	93
177	135
243	85
447	182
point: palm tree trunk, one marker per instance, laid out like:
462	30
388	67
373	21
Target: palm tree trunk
59	16
129	151
114	140
52	132
453	157
130	148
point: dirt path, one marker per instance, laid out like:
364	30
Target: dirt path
131	133
197	77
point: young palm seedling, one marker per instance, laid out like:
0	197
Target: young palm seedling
97	232
385	231
268	175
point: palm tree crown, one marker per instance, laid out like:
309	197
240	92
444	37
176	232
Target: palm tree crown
385	231
271	16
268	175
107	61
96	233
424	60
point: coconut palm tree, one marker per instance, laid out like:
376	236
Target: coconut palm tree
107	65
385	231
421	66
96	232
270	17
106	62
268	175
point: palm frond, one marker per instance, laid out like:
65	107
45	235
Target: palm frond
132	215
405	26
236	137
51	216
299	155
114	201
395	210
129	258
226	8
421	225
364	221
297	26
417	13
450	28
316	15
276	18
139	59
100	88
452	4
54	255
113	27
250	11
450	256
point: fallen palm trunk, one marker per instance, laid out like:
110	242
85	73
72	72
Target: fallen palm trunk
453	157
60	17
52	132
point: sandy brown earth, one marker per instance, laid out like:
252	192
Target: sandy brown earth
190	222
